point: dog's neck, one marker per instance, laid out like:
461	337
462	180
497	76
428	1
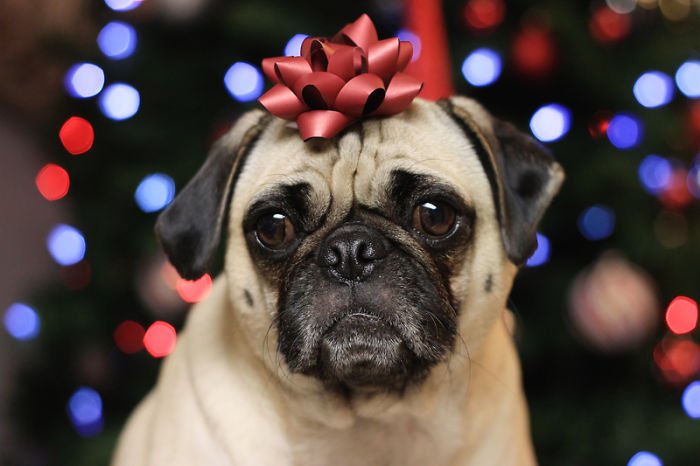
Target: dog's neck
478	399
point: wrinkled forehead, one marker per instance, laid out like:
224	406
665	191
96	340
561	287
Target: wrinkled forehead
364	162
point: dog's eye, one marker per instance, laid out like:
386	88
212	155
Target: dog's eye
274	230
434	219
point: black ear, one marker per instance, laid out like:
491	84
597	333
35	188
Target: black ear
523	175
189	229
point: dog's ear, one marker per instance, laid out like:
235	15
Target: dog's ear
523	175
189	229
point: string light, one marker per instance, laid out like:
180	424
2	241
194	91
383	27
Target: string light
21	321
293	47
541	254
644	458
550	122
76	135
119	101
625	131
117	40
84	80
244	81
482	67
655	173
653	89
193	291
414	39
129	337
682	315
66	244
160	338
596	222
691	400
85	411
155	192
688	78
52	181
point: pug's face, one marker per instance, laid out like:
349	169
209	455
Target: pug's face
367	256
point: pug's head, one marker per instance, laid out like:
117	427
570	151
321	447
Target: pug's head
365	257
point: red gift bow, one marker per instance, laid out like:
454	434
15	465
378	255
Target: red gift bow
334	82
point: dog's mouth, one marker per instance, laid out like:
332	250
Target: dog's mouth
364	351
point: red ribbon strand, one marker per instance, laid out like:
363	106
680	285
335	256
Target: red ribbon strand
339	80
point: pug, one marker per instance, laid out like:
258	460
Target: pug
361	317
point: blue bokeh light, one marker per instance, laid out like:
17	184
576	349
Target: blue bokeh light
655	173
21	321
293	47
482	67
119	101
244	81
644	458
625	131
541	254
123	5
66	244
84	80
413	38
117	40
597	222
155	192
691	399
653	89
85	411
550	122
693	181
688	78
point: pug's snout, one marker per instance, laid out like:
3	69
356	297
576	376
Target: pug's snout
351	252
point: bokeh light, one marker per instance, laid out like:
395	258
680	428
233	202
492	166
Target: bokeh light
484	15
193	291
655	173
691	400
119	101
608	27
534	51
622	6
682	315
84	80
293	47
66	244
76	135
550	122
52	181
21	321
155	192
541	254
117	40
85	411
676	195
482	67
129	337
160	338
598	125
678	359
625	131
693	181
597	222
123	5
688	78
653	89
244	81
644	458
409	36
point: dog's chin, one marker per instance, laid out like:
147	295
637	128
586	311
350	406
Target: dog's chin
362	352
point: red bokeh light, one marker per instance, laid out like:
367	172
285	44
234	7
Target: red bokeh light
129	337
484	15
77	276
160	339
678	360
682	315
52	182
598	125
534	52
676	195
77	135
608	27
193	291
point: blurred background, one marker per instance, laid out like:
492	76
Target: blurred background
108	107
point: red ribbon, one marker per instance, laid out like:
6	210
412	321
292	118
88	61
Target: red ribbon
339	80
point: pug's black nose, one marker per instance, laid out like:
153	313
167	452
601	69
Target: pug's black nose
351	252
